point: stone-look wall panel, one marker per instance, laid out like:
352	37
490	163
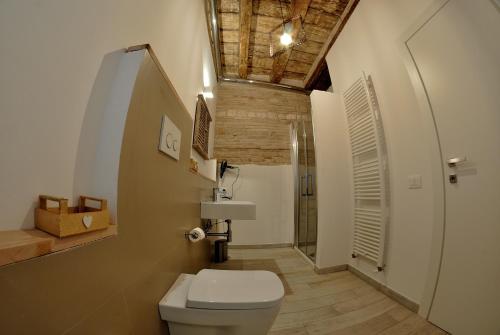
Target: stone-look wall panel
253	123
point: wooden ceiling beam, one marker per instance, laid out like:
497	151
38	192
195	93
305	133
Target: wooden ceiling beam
245	23
319	63
297	7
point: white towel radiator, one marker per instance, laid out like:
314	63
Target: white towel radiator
370	171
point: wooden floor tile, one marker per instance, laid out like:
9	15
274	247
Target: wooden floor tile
337	303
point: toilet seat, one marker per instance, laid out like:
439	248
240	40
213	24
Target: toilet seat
234	290
222	302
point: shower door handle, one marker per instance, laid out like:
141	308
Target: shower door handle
306	190
310	190
303	187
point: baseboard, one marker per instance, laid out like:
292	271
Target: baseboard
408	303
330	269
260	246
304	257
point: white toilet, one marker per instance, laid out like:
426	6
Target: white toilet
222	302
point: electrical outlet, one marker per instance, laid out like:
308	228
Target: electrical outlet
415	181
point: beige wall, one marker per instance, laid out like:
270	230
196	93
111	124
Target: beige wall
113	286
53	55
369	42
253	123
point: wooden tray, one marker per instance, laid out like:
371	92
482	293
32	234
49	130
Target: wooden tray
67	221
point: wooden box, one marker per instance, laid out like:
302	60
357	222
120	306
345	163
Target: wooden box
66	221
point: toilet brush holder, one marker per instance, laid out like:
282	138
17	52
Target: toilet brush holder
220	251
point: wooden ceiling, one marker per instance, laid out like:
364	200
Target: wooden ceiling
244	27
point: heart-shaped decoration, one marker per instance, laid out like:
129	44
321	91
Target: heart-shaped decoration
87	221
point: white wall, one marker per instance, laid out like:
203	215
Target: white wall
333	164
98	157
369	42
271	188
56	60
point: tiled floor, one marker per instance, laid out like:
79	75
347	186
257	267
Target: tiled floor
335	303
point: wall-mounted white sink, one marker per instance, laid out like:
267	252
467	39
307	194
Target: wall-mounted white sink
228	209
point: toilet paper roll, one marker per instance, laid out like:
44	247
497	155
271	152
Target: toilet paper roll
197	234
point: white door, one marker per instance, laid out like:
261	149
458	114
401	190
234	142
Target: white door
457	53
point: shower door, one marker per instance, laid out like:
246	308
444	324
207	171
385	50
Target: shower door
303	162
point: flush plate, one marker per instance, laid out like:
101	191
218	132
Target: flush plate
170	138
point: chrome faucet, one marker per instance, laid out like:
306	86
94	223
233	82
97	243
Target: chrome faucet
220	193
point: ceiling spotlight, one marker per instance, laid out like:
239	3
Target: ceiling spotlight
286	39
287	35
281	37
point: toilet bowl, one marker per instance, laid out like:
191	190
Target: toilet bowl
222	302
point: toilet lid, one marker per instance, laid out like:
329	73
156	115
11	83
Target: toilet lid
228	289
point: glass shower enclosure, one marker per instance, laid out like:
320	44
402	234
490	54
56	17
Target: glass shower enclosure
304	173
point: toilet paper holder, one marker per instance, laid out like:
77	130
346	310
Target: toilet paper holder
192	235
206	228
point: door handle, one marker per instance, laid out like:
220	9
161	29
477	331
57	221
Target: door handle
452	162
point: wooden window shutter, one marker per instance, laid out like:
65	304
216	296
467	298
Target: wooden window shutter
201	127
